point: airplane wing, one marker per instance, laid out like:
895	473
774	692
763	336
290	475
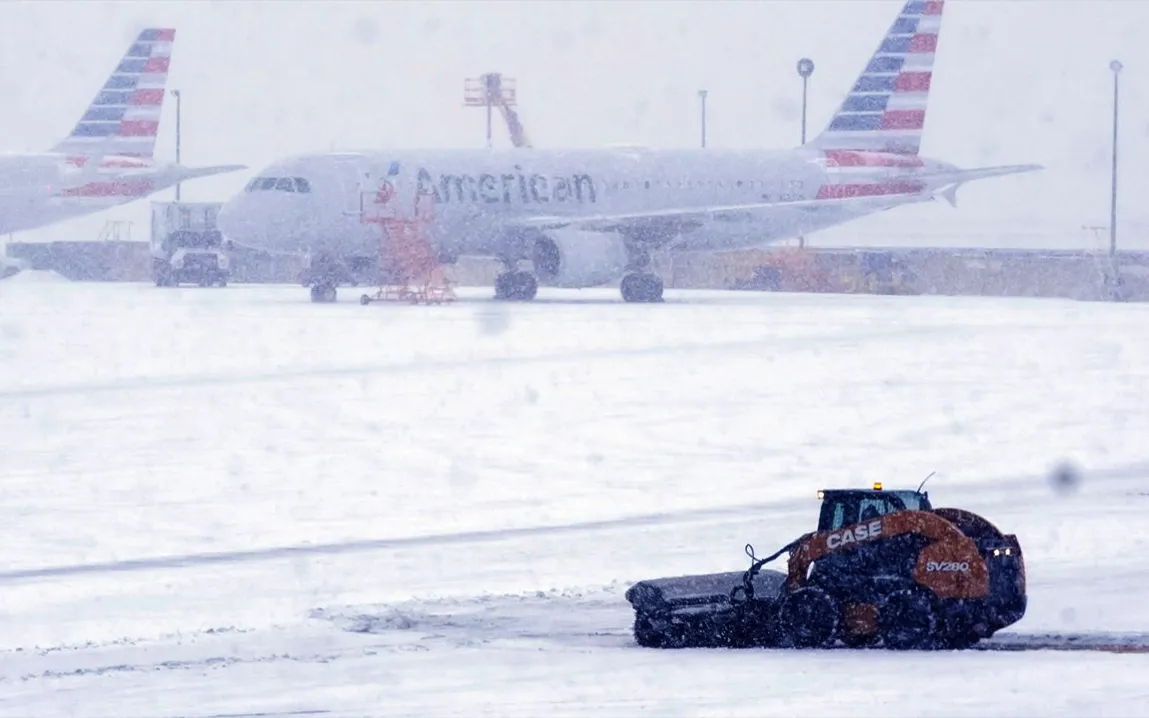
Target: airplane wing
194	172
946	183
761	211
949	182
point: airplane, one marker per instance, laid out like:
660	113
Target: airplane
109	157
587	217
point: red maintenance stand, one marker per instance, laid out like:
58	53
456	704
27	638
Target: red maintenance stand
408	263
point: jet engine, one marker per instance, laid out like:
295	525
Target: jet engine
574	258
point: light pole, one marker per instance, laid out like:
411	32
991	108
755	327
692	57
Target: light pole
702	98
805	69
1115	66
176	94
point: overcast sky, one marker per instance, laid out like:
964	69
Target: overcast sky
1015	81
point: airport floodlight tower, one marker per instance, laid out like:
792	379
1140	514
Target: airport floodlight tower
805	69
493	90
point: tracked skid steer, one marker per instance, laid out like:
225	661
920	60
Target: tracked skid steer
884	568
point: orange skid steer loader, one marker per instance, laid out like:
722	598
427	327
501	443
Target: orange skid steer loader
884	568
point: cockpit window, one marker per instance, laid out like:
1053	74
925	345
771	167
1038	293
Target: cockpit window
279	184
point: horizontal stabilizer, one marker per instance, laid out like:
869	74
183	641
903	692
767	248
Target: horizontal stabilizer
948	182
186	173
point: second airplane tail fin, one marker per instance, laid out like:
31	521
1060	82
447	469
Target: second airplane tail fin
886	109
124	117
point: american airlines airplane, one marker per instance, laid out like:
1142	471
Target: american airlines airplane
108	159
591	216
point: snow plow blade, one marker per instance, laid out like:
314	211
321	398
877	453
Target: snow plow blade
697	611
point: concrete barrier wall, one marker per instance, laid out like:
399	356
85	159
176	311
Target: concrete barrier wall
1075	275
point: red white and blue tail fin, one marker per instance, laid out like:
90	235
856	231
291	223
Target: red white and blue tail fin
886	109
125	116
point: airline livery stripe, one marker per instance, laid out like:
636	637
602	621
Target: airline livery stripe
865	103
929	7
120	82
913	82
158	35
904	26
115	188
896	45
844	191
157	64
856	123
104	114
147	97
138	128
875	83
131	67
113	98
96	129
884	63
903	119
924	43
845	158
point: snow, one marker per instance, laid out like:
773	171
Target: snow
232	501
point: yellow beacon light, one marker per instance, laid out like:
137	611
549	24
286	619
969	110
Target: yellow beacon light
877	486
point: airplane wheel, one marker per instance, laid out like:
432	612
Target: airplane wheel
323	294
516	286
644	288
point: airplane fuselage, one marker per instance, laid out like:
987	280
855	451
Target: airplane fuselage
37	190
479	195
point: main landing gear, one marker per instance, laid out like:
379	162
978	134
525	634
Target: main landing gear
641	287
324	273
323	293
639	284
516	285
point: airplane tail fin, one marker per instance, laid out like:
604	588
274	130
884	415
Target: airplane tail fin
124	117
886	109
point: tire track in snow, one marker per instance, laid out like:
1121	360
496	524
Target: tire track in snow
814	341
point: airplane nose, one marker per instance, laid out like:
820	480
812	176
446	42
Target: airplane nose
260	223
230	223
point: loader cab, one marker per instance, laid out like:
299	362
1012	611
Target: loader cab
843	507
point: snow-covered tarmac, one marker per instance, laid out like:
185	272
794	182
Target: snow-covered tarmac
232	501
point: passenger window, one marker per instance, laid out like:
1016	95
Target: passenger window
302	185
284	184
